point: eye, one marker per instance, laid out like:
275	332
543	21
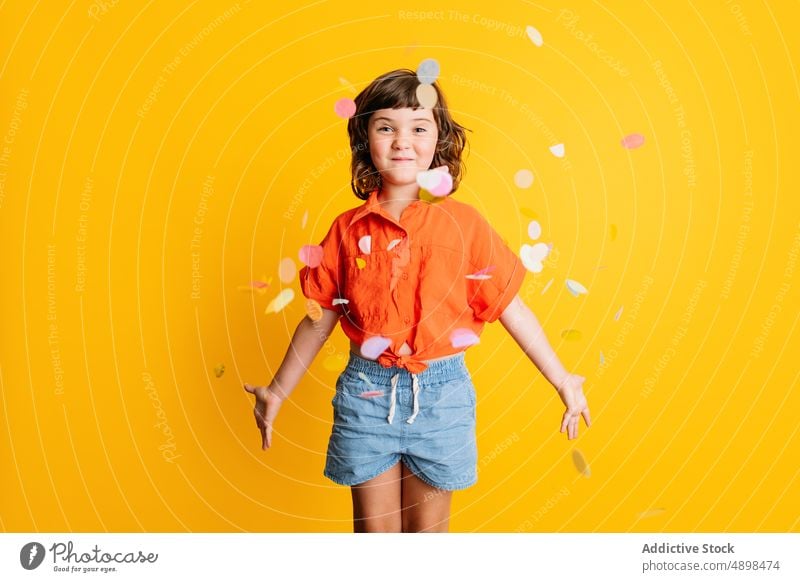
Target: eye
384	127
422	128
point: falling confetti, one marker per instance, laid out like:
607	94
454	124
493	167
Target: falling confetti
371	394
462	337
576	288
651	512
360	263
348	84
438	181
219	370
534	230
612	232
311	255
534	35
529	213
340	301
546	287
392	244
580	463
617	314
571	335
558	150
286	270
483	273
313	309
602	359
345	108
304	220
632	141
428	71
523	178
365	244
364	377
375	346
282	300
426	95
259	287
532	256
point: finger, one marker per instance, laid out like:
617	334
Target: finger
586	418
263	438
269	435
250	389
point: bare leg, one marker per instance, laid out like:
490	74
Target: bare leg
425	508
376	503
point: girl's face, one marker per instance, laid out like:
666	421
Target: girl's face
402	142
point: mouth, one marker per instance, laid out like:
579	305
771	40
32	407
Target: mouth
402	159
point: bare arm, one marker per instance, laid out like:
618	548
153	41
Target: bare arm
307	341
522	325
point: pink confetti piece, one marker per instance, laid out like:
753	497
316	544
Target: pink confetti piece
345	108
371	394
483	273
426	95
258	284
617	314
632	141
311	255
462	337
286	270
375	346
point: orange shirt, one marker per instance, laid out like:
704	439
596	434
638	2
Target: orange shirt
422	277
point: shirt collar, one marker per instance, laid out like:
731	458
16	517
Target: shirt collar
371	205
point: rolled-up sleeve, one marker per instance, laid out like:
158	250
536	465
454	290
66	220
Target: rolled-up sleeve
322	283
490	297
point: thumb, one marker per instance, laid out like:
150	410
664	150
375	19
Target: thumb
249	388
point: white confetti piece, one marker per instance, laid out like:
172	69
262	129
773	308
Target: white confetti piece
523	178
576	288
546	287
558	150
617	314
393	244
363	376
534	35
428	71
534	230
533	255
602	359
365	244
375	346
281	300
340	301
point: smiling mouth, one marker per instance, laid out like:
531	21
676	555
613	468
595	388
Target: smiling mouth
402	160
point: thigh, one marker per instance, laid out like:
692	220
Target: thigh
425	508
376	503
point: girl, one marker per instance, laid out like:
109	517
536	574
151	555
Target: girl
413	282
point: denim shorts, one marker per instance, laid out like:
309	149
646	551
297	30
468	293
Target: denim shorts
380	419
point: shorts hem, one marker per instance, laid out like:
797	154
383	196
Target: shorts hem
445	487
347	482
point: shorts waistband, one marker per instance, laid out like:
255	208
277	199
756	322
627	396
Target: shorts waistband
445	370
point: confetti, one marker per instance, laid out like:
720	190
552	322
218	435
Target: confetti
617	314
348	84
612	232
534	230
313	309
576	288
546	287
259	287
286	270
602	359
371	394
219	370
365	244
651	512
360	263
345	108
529	213
571	335
523	178
340	301
580	463
375	346
532	256
392	244
281	300
438	181
558	150
483	273
462	337
534	35
311	255
304	220
426	95
632	141
364	377
428	71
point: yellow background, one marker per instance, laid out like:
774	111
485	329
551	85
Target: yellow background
144	143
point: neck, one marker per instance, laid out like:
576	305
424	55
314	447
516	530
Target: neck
398	193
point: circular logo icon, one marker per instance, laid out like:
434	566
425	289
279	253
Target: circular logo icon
31	555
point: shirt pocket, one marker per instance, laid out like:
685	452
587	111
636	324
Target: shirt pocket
367	288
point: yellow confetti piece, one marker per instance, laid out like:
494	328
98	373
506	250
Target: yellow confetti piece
313	309
612	232
360	263
580	463
335	362
281	300
529	213
571	335
219	370
652	512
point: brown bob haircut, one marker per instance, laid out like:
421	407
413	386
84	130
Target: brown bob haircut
396	90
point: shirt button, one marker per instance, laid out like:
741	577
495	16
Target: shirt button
407	319
404	275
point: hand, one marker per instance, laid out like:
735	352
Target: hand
571	392
266	409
